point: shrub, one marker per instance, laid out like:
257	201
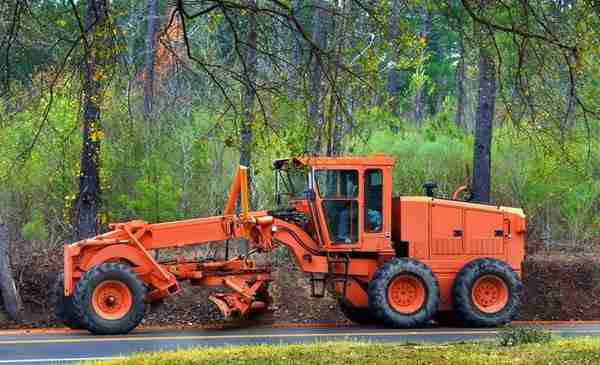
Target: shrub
35	229
514	336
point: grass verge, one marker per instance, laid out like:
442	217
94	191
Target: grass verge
572	351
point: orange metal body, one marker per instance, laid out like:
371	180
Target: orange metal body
448	234
444	234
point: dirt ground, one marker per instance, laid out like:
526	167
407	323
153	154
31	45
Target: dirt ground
290	291
292	303
558	286
561	286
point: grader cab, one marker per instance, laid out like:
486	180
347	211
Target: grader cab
394	261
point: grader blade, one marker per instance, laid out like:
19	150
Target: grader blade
234	305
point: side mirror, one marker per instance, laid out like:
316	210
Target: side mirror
311	195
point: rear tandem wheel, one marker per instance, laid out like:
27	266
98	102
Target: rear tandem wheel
487	293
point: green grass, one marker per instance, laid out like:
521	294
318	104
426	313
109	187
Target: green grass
573	351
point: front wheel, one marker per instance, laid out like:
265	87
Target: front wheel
487	293
109	299
404	293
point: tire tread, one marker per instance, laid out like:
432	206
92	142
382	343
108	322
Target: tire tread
377	293
83	292
461	293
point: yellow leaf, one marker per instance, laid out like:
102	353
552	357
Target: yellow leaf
98	76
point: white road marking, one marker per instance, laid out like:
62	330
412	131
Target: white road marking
273	335
240	336
66	359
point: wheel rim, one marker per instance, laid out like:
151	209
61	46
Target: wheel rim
112	299
489	294
406	294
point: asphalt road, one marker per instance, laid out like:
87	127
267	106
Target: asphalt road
77	346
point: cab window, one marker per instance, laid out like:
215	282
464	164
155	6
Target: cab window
337	183
373	200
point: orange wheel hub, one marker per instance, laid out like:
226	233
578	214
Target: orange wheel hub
112	299
406	294
489	294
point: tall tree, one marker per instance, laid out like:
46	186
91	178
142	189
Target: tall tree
459	118
319	39
340	97
249	65
421	92
295	64
150	57
250	62
486	103
8	290
96	37
394	81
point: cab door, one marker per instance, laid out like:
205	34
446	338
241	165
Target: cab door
339	206
376	233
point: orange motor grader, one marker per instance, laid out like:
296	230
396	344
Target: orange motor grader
393	261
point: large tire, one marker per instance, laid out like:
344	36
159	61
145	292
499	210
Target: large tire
487	293
63	306
356	314
404	293
110	299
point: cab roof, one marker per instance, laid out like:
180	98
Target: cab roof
346	161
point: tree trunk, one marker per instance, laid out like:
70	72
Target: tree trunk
421	92
150	57
294	69
97	57
570	86
460	83
315	115
340	105
568	71
481	186
250	61
394	80
10	296
249	97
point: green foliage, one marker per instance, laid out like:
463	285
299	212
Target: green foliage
154	200
515	336
38	166
367	118
183	167
35	229
422	156
179	164
166	175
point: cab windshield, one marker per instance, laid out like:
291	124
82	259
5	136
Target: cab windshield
292	182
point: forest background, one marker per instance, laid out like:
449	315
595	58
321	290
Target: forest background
114	110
